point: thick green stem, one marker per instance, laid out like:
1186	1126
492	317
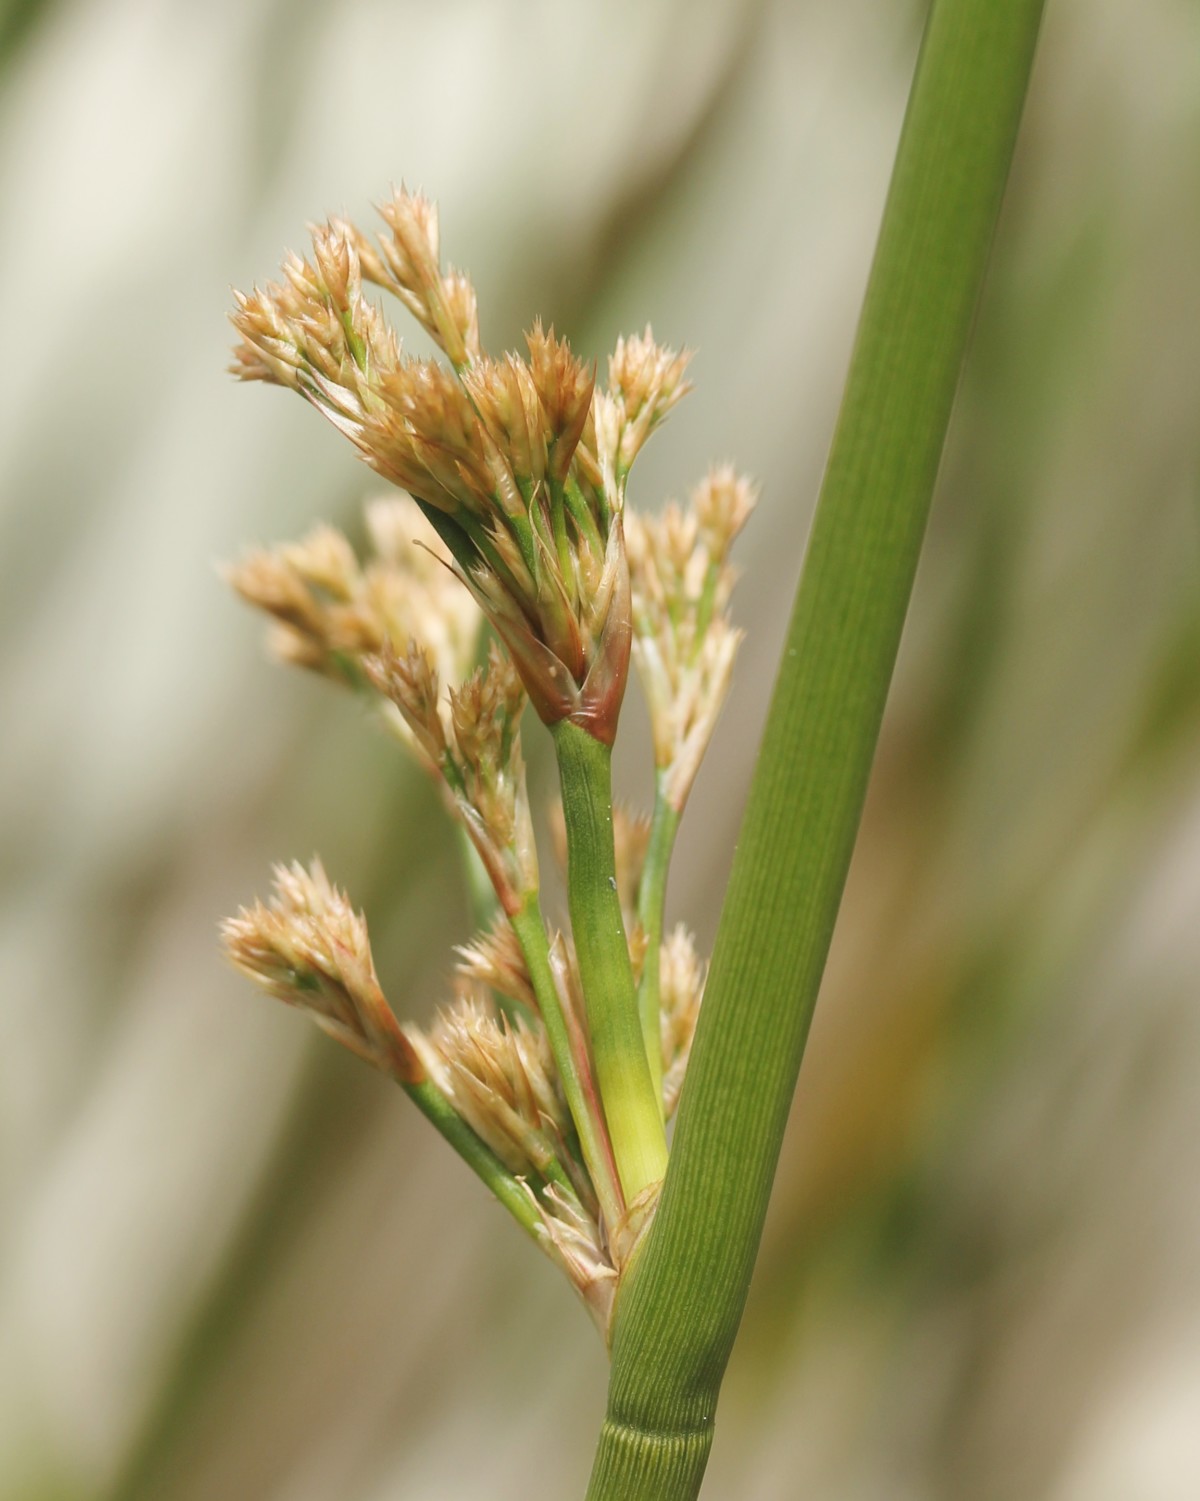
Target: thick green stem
434	1106
652	896
633	1463
631	1110
571	1060
681	1302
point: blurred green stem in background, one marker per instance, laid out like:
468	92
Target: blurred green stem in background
681	1303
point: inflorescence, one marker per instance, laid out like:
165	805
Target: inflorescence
510	570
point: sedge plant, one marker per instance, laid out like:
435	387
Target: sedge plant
506	569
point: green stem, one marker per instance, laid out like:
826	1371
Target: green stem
652	896
562	543
631	1110
634	1463
570	1058
544	1156
466	540
682	1299
434	1106
582	516
481	894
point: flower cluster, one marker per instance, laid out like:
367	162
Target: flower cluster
519	469
684	643
471	740
309	948
329	611
561	1055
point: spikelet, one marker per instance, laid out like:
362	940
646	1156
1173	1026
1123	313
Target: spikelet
410	588
645	381
499	1076
328	611
681	989
495	958
572	1239
407	263
471	741
309	948
684	644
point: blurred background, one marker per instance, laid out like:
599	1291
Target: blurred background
234	1263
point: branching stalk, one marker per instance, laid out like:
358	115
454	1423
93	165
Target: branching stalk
479	1157
570	1057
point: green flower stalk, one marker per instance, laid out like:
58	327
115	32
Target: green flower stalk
632	1101
684	645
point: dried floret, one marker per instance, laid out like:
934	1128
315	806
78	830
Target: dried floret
308	947
684	644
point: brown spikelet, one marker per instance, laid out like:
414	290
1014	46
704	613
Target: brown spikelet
571	1238
330	612
506	398
645	380
495	958
309	948
684	644
500	1077
564	388
469	738
410	680
681	987
407	263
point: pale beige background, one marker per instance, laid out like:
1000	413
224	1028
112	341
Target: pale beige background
233	1264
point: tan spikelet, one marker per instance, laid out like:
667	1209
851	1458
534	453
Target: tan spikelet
309	948
684	644
681	990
